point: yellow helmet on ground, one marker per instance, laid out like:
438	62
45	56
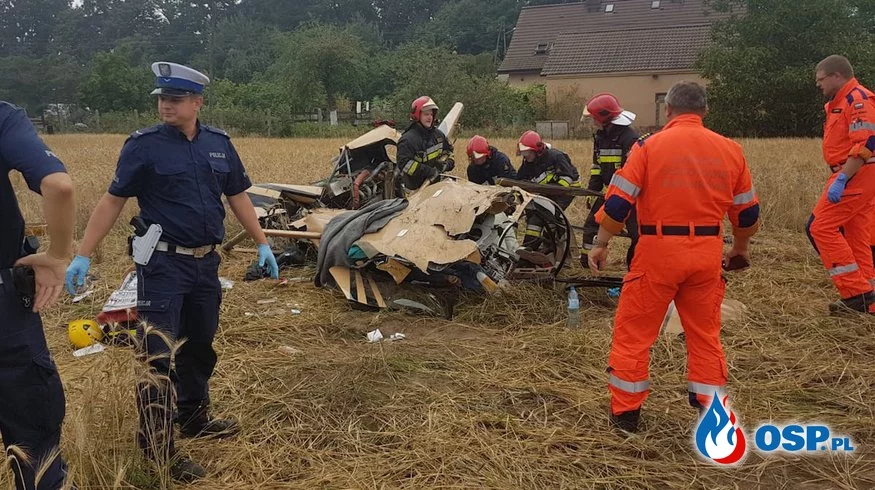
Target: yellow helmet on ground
83	333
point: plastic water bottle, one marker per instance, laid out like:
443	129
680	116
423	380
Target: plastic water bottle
573	320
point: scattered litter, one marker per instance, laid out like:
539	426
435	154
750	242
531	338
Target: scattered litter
397	336
613	293
91	349
375	336
265	301
248	314
226	283
296	312
299	279
402	232
439	192
290	351
82	296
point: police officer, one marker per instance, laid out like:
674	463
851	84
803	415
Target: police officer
423	150
486	163
544	165
611	146
178	172
31	395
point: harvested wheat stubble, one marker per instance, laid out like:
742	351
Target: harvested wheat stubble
503	396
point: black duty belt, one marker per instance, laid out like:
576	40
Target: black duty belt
681	230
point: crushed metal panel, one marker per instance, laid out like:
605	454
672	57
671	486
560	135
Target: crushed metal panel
396	269
316	220
379	134
435	214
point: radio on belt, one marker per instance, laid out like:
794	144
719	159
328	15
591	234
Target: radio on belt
144	241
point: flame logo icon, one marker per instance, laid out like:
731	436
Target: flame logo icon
717	436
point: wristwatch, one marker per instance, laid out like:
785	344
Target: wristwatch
598	243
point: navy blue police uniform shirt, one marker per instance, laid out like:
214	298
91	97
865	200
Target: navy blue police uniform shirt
21	149
179	183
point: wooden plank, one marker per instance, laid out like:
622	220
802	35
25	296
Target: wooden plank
341	276
377	294
360	288
302	235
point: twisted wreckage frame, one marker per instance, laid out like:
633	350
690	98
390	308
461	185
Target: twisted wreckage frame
385	246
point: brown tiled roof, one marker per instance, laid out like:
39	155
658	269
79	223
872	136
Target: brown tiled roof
542	25
665	48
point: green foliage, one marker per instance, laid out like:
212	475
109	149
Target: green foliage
761	65
114	85
319	63
34	82
473	26
449	78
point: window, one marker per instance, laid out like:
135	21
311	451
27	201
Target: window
660	110
609	8
541	48
654	4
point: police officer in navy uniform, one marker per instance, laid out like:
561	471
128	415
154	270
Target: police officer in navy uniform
31	395
178	171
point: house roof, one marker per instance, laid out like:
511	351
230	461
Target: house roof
543	25
663	48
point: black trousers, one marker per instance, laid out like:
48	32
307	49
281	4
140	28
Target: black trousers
31	396
179	296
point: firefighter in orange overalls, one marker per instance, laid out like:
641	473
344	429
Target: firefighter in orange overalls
840	225
682	181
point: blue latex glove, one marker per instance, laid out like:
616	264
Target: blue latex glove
265	255
834	194
78	268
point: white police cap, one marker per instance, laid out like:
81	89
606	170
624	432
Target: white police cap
177	80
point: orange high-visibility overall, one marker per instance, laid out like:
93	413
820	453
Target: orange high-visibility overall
841	231
683	180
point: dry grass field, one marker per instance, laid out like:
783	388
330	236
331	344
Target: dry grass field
501	397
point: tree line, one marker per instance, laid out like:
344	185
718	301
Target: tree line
269	59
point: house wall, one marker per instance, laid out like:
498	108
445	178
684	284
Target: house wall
523	79
637	93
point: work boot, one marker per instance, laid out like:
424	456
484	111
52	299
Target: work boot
208	428
626	421
185	470
862	303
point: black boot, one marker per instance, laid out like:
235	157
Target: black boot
199	424
217	428
626	421
185	470
855	304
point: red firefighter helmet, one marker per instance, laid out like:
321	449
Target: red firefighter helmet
531	140
478	148
420	104
604	108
